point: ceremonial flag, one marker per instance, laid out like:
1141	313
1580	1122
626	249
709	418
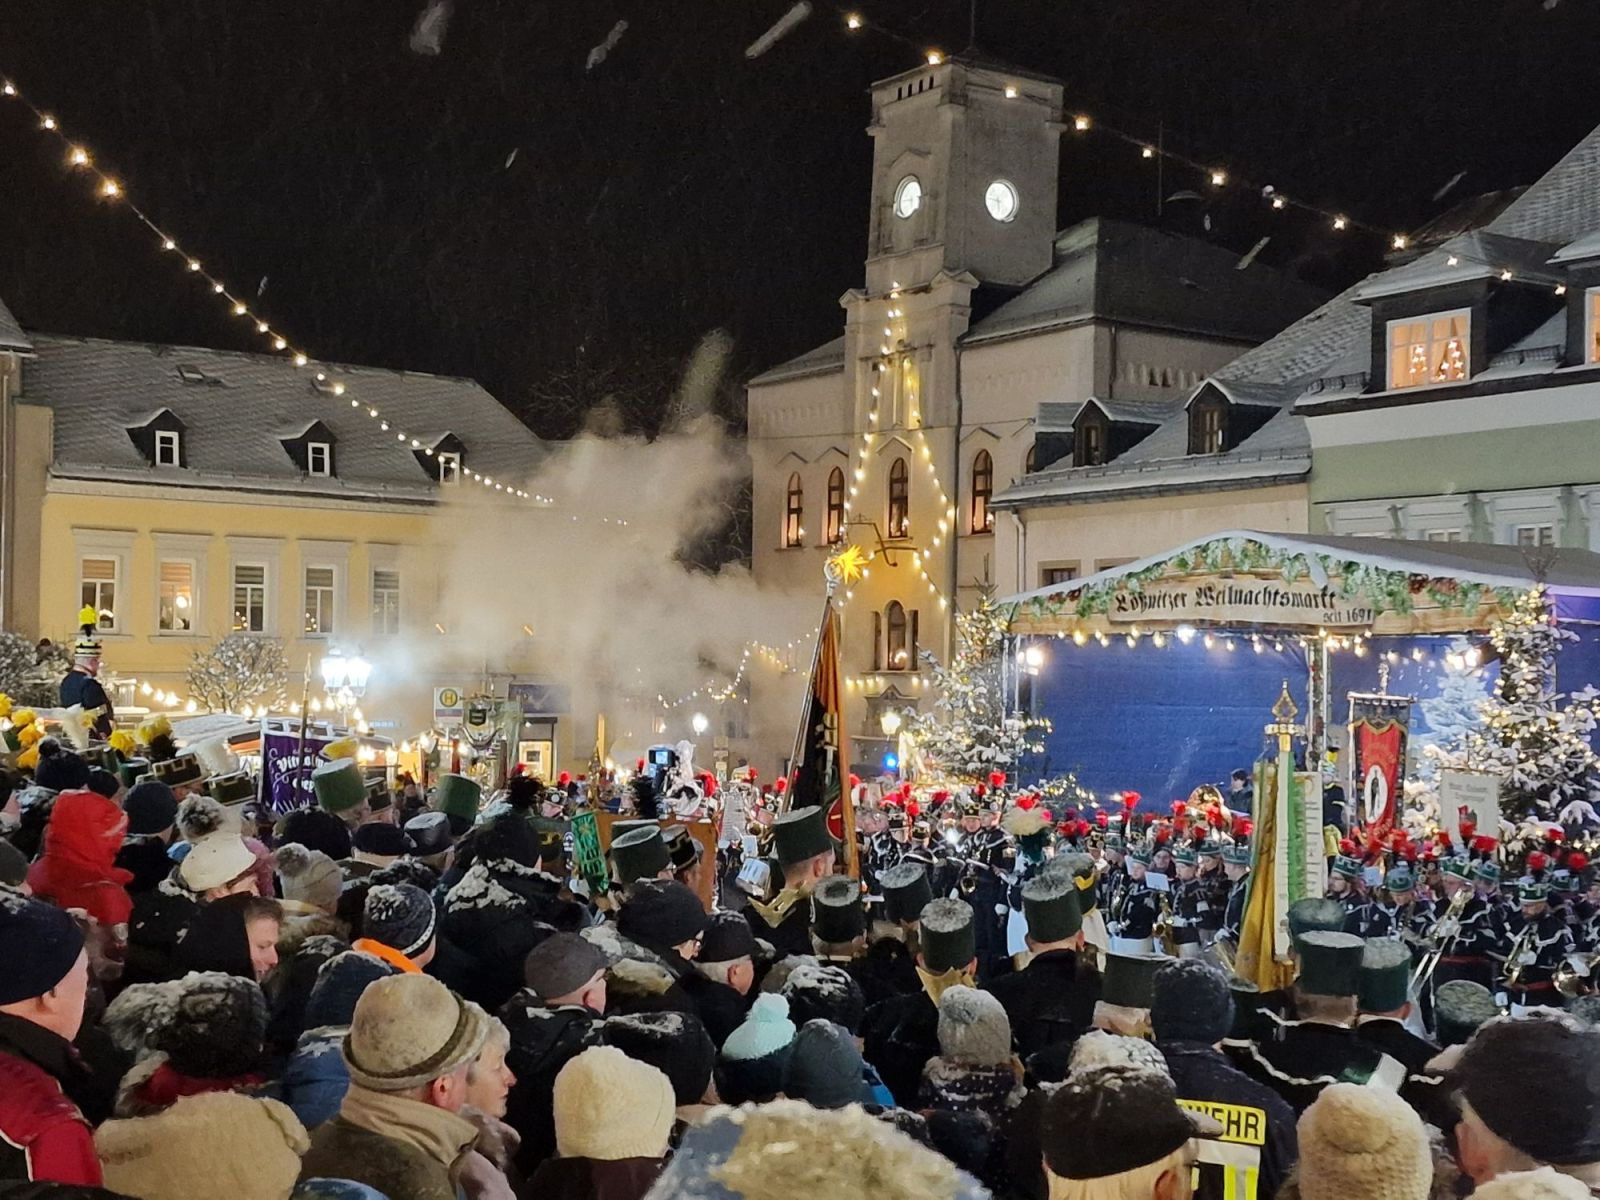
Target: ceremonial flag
822	755
1378	728
1260	958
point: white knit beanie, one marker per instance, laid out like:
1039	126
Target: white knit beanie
1363	1143
216	859
1543	1183
973	1028
609	1106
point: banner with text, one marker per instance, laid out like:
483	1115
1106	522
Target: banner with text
1239	600
286	764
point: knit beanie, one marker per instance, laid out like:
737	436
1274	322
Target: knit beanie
338	987
317	829
400	916
1507	1062
822	991
202	1147
39	943
755	1056
1363	1143
215	861
380	840
151	807
103	783
308	876
825	1069
973	1028
216	1028
1190	1002
660	914
609	1106
408	1030
59	769
1097	1049
675	1043
1542	1183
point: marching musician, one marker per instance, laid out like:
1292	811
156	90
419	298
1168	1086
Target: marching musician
1113	872
1236	867
1540	942
1216	884
1470	936
1132	927
1344	878
990	856
1401	915
1191	901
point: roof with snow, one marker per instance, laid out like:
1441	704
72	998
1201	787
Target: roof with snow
235	408
11	336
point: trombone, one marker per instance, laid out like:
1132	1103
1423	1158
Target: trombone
1518	949
1444	931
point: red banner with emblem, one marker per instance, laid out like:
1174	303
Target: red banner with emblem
1378	729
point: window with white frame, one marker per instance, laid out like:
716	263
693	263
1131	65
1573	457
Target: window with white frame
1529	536
1443	535
385	601
249	597
319	601
1056	573
1429	350
169	448
175	607
319	459
449	466
97	588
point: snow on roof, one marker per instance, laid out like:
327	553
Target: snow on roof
819	361
11	336
1475	255
1569	572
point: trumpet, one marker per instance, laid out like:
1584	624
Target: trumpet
1443	932
1575	976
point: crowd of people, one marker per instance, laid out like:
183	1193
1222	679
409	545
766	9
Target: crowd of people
423	998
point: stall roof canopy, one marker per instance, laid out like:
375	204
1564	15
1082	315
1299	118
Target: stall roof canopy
1391	581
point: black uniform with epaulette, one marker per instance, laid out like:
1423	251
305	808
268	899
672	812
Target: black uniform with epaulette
1236	855
1540	942
785	920
1469	941
1215	883
1051	1000
989	855
1384	990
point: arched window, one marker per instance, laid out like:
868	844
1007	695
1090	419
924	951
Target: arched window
899	499
897	651
835	529
1032	458
794	513
982	491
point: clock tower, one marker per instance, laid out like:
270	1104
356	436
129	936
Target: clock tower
964	164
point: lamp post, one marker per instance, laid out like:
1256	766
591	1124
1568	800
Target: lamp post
345	680
699	723
891	722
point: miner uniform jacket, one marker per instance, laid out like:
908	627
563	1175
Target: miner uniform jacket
1049	1001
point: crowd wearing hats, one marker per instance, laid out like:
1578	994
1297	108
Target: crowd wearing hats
433	1003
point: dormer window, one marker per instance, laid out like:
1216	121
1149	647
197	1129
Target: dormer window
1208	425
449	466
319	459
1430	350
1089	446
311	449
444	460
169	448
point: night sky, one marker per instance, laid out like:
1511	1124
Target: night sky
679	187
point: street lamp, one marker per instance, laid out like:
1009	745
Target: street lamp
890	721
699	723
345	680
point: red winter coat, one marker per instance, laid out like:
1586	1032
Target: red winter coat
43	1136
78	868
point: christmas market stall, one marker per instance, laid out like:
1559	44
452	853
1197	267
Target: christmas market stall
1414	665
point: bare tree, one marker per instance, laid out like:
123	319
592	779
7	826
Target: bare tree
241	669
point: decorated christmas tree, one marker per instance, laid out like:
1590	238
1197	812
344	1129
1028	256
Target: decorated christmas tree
1453	715
1535	738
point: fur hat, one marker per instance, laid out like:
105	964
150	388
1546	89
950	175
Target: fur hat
408	1030
973	1028
1097	1049
1542	1183
675	1043
609	1106
216	1027
1363	1143
317	829
308	876
660	914
400	916
755	1057
825	1069
214	1144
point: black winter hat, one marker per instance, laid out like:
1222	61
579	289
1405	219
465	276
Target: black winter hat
822	991
104	783
340	982
1190	1002
39	943
400	916
837	916
316	829
727	938
381	839
1114	1119
216	1028
59	769
510	836
660	914
430	833
825	1069
151	807
948	940
674	1043
1509	1063
407	870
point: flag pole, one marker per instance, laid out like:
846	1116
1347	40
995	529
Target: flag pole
832	577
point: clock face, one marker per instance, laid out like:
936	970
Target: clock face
907	196
1001	200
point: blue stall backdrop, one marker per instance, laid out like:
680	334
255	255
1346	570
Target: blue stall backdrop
1160	675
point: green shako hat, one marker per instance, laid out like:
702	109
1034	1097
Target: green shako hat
1399	879
1532	891
1344	865
103	757
1459	1008
1050	904
640	853
1487	872
1313	913
339	785
906	891
1330	963
1186	856
1129	979
457	796
948	941
800	834
1384	984
836	913
1237	854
